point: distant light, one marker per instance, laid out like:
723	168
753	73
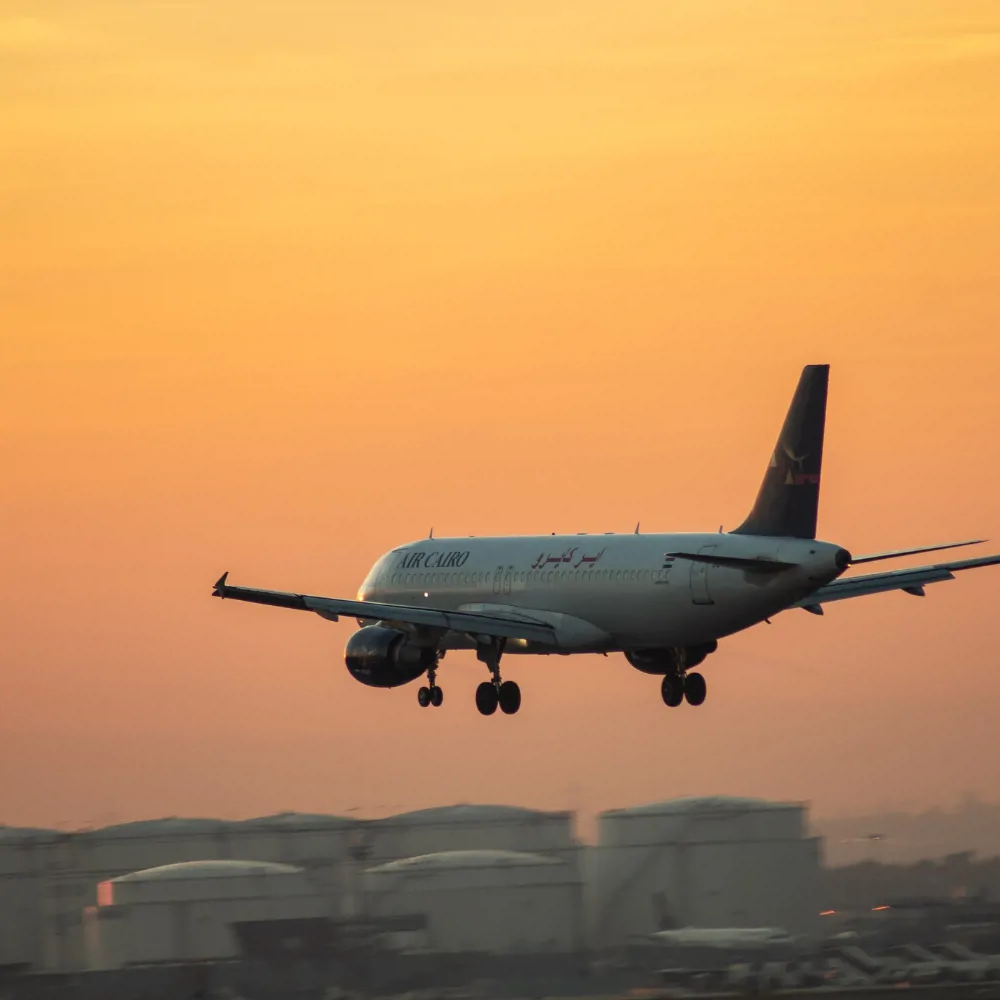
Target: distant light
875	909
827	913
426	594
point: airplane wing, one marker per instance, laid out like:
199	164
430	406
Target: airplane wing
331	608
909	580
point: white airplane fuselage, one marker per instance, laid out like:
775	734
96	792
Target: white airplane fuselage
607	592
725	938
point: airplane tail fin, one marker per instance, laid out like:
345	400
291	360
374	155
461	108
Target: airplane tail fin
788	500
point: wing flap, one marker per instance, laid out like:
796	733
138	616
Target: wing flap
332	608
911	581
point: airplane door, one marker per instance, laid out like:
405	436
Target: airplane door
700	593
508	573
497	579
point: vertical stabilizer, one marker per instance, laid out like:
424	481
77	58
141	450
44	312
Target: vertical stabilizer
788	500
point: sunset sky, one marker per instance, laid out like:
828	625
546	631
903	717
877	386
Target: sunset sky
285	283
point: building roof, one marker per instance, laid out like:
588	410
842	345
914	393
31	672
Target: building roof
451	860
465	813
168	826
22	834
696	805
173	826
207	869
292	820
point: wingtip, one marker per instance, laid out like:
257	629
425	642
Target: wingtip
220	585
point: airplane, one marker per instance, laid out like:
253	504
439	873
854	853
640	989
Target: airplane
663	600
724	938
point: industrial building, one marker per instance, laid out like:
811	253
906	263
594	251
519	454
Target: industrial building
703	862
185	912
484	901
48	878
486	878
471	828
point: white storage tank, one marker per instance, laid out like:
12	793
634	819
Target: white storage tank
487	901
75	863
287	838
473	827
185	911
24	852
704	862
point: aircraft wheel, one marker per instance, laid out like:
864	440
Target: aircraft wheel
695	689
510	697
672	691
487	698
437	696
424	697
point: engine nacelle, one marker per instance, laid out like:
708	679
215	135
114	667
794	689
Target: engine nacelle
384	658
665	661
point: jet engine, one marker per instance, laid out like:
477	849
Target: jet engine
665	661
385	657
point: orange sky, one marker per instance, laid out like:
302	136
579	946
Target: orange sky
285	283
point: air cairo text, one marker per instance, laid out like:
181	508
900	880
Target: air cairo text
434	560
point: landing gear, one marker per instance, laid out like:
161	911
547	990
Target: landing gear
487	698
495	693
678	685
430	694
509	695
695	689
672	690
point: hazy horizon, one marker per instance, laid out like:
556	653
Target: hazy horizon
890	836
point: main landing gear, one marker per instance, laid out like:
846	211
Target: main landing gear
678	684
430	694
678	687
496	692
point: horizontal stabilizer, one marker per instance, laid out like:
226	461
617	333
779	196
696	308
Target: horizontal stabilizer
897	553
911	581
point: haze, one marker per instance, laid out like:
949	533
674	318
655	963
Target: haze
285	284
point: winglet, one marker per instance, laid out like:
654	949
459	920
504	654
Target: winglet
220	585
